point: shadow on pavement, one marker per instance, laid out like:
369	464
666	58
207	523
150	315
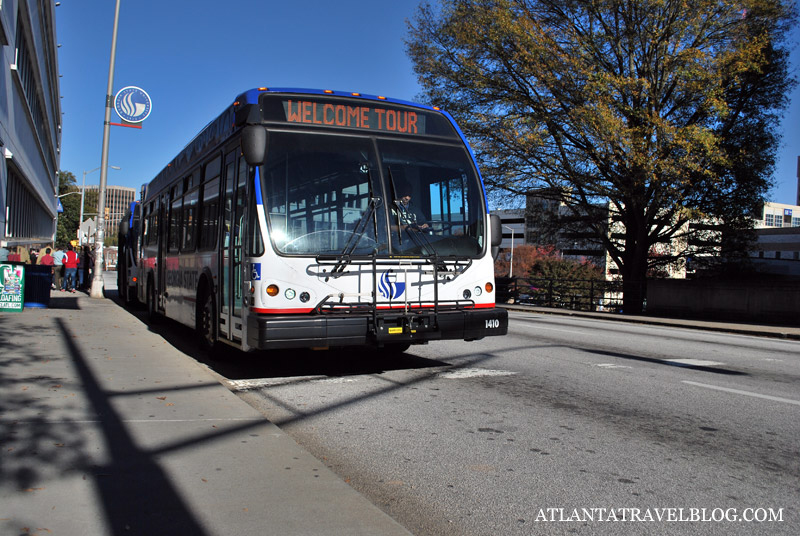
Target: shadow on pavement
138	497
234	364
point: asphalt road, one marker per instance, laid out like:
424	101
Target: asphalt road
565	426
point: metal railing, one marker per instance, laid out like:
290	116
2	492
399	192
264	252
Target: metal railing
574	294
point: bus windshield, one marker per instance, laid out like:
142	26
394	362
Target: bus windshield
343	195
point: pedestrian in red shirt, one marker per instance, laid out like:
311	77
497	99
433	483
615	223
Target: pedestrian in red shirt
47	259
71	262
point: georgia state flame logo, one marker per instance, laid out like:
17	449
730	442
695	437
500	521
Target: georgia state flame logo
389	288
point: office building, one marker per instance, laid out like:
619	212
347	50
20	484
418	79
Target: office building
30	122
118	200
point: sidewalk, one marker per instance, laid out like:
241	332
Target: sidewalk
105	429
741	328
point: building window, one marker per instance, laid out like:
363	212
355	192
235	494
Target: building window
26	70
769	220
27	217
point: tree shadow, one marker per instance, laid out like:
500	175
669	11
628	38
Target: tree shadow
50	421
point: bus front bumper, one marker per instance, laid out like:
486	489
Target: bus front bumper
269	332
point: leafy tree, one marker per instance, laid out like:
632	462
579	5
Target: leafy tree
545	262
639	115
68	220
542	273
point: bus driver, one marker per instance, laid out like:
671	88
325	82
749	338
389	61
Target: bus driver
403	211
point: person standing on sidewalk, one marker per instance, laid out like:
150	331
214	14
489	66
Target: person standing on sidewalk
46	259
58	268
71	262
87	262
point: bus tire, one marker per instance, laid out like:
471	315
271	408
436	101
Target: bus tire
206	320
152	309
122	284
123	295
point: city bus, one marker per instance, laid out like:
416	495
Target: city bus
282	225
128	236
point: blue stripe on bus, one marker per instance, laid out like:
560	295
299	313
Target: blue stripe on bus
259	201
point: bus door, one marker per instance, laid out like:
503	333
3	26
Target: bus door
235	179
161	263
237	252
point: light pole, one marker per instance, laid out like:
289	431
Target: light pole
97	279
511	264
83	191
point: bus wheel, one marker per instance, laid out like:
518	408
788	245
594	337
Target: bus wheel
152	311
206	321
123	288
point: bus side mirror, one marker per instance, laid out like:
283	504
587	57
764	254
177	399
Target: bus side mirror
254	144
497	230
497	233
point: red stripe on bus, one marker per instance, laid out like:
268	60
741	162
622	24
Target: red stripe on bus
388	308
280	311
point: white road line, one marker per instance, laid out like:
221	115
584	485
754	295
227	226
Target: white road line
694	362
460	374
745	393
258	383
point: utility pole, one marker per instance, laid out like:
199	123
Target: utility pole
511	264
97	280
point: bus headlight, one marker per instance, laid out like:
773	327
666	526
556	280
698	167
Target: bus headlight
478	291
290	293
467	294
304	297
273	290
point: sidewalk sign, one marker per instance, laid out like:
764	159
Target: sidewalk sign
12	287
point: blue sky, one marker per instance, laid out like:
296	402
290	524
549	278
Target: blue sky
194	57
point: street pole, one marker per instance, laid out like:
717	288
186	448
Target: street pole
511	264
80	219
83	191
97	280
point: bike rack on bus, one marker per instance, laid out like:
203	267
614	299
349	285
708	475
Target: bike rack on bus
394	321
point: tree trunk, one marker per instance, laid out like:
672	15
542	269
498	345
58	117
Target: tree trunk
634	269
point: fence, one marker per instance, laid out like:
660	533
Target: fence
574	294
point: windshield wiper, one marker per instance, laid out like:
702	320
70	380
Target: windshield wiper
360	229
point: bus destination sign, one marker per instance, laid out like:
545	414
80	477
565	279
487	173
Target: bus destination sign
335	114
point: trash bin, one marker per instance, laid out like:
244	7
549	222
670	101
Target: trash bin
38	280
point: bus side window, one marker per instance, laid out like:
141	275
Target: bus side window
209	215
175	224
190	221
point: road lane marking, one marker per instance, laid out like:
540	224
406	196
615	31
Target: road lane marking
259	383
694	362
745	393
612	365
461	374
